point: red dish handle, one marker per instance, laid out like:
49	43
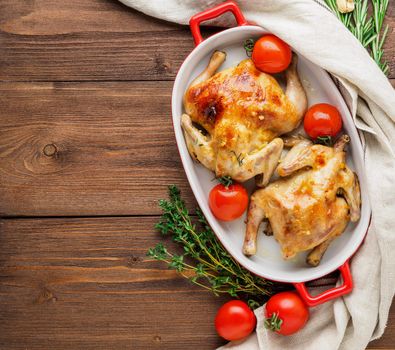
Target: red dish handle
329	294
214	12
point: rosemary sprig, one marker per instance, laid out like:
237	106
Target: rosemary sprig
204	261
379	10
239	157
368	29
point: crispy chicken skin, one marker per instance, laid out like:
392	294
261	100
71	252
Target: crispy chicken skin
310	205
233	118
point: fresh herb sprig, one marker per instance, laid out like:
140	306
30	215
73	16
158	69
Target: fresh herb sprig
368	29
379	10
204	260
239	157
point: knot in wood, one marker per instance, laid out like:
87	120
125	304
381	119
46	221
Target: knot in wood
157	338
50	150
133	260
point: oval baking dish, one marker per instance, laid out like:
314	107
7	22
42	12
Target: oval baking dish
268	262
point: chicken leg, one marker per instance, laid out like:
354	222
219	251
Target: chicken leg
216	60
294	90
254	219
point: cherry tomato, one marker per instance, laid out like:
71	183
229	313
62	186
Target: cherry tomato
271	54
322	120
234	320
286	313
228	202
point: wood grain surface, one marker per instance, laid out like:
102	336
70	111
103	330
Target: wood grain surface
86	150
100	148
85	284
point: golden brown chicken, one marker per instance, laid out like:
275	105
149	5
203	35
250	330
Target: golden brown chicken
311	205
234	117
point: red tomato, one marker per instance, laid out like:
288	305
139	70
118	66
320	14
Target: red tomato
228	203
271	54
234	320
286	313
321	120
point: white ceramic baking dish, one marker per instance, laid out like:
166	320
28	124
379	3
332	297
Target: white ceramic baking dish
268	262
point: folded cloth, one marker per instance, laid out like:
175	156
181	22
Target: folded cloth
309	27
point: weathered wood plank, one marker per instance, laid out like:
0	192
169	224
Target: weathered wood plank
41	41
87	148
93	56
54	17
85	284
44	41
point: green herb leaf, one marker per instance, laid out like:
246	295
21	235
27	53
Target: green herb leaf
177	263
253	304
159	252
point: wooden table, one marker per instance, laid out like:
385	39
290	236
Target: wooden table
86	150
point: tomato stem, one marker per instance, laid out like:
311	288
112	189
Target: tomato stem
249	46
274	322
225	180
324	140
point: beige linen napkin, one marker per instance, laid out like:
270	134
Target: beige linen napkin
347	323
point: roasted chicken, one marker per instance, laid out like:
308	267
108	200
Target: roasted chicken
310	205
233	118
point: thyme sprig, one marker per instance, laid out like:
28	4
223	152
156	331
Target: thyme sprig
204	260
367	28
